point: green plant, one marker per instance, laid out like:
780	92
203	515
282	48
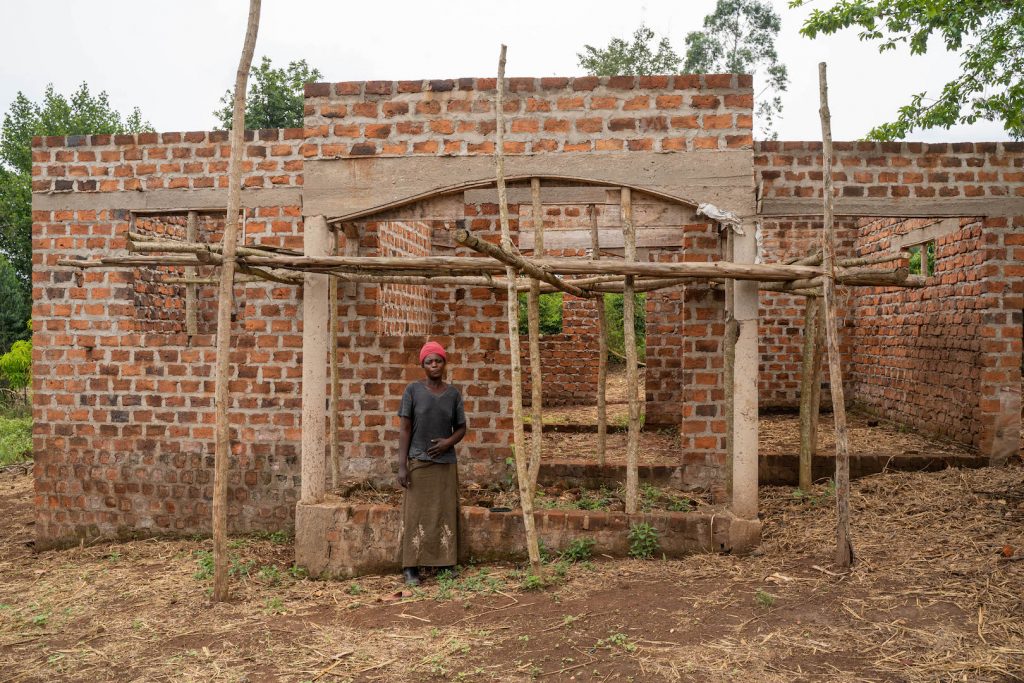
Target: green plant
204	560
550	309
16	365
15	439
764	599
639	57
274	605
618	640
578	550
613	307
532	582
297	572
269	574
354	589
643	541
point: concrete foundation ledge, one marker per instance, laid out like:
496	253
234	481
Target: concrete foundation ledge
335	539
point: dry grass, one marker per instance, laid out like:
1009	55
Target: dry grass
929	599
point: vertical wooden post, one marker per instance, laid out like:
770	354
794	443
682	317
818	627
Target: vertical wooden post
819	356
808	379
335	283
844	546
191	289
316	241
225	302
521	457
629	340
602	349
533	329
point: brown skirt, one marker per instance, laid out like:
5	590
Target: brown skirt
430	515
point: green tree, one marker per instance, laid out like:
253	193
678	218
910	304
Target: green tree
82	113
275	98
614	314
988	33
739	37
15	310
16	365
640	57
550	308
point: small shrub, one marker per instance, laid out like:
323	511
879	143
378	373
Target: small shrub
618	640
578	550
269	574
532	582
204	559
643	541
764	599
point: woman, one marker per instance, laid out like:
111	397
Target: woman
433	422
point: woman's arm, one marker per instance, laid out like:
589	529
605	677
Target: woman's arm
404	439
439	446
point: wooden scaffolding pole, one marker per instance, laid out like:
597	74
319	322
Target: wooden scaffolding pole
225	302
521	457
629	341
844	546
602	349
810	375
515	262
533	329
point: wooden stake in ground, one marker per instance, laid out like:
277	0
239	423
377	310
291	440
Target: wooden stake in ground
602	350
521	457
808	378
732	332
533	329
844	546
225	302
629	340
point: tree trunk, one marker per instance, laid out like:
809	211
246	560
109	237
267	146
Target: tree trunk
225	302
844	546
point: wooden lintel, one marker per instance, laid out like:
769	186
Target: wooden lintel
164	201
909	207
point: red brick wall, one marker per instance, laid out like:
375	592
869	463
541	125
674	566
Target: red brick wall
123	398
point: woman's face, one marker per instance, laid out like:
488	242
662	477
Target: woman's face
433	366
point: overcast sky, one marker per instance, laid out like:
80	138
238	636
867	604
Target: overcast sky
174	60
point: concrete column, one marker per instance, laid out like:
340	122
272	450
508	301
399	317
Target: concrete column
315	338
745	375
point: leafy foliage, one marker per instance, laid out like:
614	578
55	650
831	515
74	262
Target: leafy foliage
614	311
15	439
739	37
16	365
643	541
990	34
550	308
639	57
275	98
15	309
80	114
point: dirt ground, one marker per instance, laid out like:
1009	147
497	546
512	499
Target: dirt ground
930	599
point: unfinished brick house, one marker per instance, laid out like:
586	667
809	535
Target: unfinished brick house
123	390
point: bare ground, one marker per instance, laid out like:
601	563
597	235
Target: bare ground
931	598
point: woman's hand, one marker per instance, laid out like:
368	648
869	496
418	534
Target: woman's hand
403	476
438	447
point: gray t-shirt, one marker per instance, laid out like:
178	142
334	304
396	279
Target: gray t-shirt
434	416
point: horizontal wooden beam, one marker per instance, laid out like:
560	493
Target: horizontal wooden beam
163	201
908	207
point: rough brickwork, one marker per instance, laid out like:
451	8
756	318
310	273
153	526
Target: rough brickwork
979	347
569	358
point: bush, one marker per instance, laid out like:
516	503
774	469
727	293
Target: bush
613	309
15	439
550	308
16	365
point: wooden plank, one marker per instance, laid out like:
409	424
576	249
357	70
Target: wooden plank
338	187
925	234
610	239
909	207
154	201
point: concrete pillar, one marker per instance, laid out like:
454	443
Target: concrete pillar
315	339
745	374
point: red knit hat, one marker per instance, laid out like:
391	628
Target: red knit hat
432	347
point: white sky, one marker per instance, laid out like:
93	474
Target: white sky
174	60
